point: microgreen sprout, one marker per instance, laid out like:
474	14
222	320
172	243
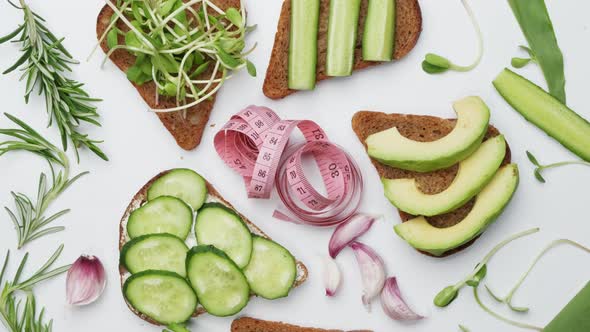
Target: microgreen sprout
517	62
540	168
463	328
500	317
435	64
29	218
187	49
508	298
449	293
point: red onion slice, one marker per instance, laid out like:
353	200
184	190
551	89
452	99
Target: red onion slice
348	231
393	304
372	271
331	276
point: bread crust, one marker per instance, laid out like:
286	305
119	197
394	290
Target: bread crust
141	197
187	131
407	31
420	128
249	324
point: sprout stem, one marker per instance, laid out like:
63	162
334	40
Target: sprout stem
502	318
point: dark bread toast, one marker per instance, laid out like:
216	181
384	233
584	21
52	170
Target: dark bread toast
141	197
424	129
408	26
247	324
187	131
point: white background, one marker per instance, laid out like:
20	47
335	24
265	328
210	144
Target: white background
139	147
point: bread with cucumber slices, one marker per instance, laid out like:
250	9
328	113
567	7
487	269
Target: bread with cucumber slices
408	26
187	129
248	324
156	232
423	129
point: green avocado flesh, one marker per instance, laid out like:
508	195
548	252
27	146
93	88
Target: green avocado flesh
488	205
545	112
474	173
393	149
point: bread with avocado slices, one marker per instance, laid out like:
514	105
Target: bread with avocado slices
212	196
408	26
424	129
248	324
187	129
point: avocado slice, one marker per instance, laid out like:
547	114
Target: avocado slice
488	205
393	149
474	173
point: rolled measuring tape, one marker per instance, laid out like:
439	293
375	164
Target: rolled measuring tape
254	143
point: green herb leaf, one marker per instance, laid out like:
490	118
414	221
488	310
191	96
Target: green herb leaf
136	75
112	38
166	8
234	16
446	296
520	62
251	68
12	34
538	176
437	61
476	279
532	158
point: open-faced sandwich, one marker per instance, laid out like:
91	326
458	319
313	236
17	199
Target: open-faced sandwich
177	54
320	39
449	179
173	268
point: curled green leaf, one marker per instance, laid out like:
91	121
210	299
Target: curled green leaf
234	16
431	69
532	158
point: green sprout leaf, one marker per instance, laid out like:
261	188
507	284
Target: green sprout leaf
538	175
532	158
446	296
251	68
520	62
234	16
112	38
476	279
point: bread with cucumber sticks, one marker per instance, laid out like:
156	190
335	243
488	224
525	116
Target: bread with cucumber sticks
449	191
231	259
175	57
344	52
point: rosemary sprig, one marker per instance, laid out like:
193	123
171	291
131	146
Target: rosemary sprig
29	218
540	167
26	319
44	62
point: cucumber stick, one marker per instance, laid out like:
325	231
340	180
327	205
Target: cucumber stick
379	33
303	44
342	31
546	112
163	296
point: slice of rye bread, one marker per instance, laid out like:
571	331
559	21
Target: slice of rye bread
424	129
408	26
141	197
187	131
248	324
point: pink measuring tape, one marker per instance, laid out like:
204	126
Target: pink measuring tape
255	143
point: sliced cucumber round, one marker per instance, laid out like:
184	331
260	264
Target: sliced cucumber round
272	269
219	283
183	183
223	228
155	252
164	214
163	296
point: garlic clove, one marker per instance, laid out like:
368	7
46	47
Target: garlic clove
86	280
332	276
